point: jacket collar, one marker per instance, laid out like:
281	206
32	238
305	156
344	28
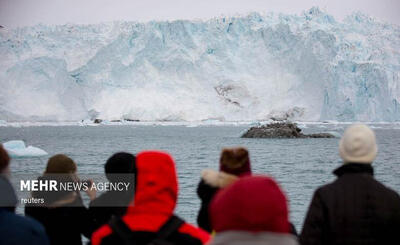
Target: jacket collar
354	168
217	179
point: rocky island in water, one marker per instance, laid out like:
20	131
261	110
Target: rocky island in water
281	130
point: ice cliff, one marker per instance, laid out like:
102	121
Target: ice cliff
306	67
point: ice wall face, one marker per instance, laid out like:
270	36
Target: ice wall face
41	89
239	68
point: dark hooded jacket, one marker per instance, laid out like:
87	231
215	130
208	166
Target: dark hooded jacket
211	182
354	209
120	167
15	229
109	204
234	162
153	204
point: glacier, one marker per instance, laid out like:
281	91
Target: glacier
307	67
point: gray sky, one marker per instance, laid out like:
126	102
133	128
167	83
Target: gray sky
30	12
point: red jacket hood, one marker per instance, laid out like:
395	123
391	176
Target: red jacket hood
155	198
156	184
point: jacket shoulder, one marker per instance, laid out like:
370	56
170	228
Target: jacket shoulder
212	181
360	186
25	222
195	232
368	182
217	179
186	234
388	194
26	228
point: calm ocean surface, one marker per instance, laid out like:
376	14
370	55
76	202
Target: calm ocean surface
299	165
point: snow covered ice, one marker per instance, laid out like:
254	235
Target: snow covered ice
18	149
306	67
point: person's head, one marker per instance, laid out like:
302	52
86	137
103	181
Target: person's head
358	145
4	161
156	189
120	163
62	169
235	161
8	198
60	164
252	203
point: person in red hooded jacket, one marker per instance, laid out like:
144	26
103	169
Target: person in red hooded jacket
149	215
251	211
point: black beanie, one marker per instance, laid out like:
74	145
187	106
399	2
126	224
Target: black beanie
120	163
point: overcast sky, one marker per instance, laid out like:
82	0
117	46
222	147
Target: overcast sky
30	12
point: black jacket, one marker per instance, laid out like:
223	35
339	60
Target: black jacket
64	224
109	204
211	182
16	229
354	209
205	192
144	237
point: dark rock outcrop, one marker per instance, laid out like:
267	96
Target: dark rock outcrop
281	130
320	135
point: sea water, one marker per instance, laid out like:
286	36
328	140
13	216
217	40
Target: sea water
299	165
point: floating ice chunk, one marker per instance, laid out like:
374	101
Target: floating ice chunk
14	145
302	126
374	127
88	122
255	123
336	134
192	125
18	149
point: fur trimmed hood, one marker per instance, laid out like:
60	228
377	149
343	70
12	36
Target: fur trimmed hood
218	179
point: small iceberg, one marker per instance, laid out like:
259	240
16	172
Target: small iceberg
336	134
18	149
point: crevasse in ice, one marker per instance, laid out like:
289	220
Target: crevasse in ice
306	67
